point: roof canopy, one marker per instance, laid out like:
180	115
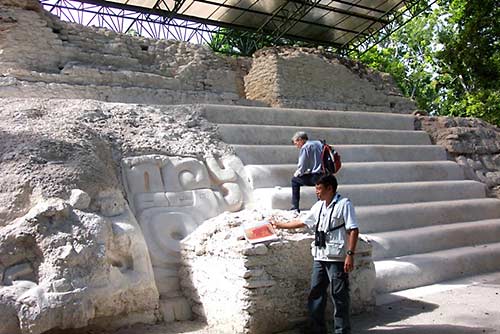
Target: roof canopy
327	22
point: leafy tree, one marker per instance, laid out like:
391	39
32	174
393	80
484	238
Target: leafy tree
447	59
472	56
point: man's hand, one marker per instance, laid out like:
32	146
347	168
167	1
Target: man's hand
297	173
349	263
275	223
286	225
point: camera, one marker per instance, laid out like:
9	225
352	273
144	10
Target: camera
320	239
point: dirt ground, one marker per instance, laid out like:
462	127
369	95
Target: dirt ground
467	306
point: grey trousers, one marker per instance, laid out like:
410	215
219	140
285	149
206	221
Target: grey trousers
329	274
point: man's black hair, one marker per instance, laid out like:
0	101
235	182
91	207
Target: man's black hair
328	180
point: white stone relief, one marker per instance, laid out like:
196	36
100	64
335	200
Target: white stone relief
170	197
220	174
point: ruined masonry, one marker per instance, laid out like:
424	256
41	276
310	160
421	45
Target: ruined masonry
129	166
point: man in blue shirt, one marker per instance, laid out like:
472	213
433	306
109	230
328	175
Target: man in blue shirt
336	234
309	165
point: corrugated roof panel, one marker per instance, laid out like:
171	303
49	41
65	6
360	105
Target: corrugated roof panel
330	21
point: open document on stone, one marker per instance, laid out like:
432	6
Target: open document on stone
259	231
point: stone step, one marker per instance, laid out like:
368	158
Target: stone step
265	176
381	218
281	135
374	194
83	56
288	154
307	118
423	269
429	239
80	74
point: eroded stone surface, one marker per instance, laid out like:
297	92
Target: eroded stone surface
314	79
43	56
66	268
49	147
473	143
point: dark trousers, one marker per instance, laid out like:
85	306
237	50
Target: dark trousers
331	274
303	180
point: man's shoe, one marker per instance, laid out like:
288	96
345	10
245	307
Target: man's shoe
294	209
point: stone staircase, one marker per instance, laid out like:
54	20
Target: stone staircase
426	222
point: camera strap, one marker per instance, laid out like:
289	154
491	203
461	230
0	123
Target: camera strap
329	220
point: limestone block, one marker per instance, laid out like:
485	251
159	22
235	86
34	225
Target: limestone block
143	175
362	279
79	199
220	174
181	174
175	309
232	199
8	319
281	76
144	201
488	162
493	178
163	229
260	288
110	202
183	198
167	281
476	165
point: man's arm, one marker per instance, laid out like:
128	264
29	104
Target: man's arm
288	225
301	165
352	240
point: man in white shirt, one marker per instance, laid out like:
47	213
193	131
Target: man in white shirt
336	234
309	168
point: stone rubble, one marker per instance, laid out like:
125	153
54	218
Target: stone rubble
473	143
251	287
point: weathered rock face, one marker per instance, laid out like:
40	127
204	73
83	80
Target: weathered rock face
473	143
49	147
259	288
313	79
86	260
45	57
64	267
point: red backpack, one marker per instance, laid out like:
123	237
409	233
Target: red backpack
330	159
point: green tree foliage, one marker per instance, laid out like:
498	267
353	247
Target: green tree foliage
447	59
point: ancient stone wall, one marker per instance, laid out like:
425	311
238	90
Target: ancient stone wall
43	56
313	79
258	288
473	143
85	260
